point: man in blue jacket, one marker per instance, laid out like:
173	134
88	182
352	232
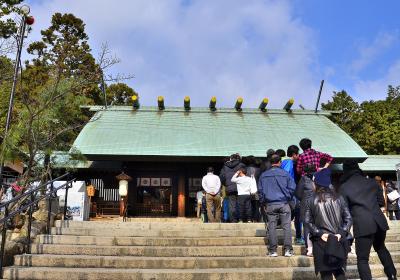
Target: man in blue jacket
276	188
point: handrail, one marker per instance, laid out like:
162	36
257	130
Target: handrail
30	205
19	210
32	191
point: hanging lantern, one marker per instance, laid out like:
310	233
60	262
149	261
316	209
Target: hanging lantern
123	184
123	188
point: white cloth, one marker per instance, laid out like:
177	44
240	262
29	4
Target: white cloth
211	183
199	196
243	184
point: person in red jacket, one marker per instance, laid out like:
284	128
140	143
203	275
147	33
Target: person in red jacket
310	155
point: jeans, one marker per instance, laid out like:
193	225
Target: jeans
297	222
363	248
213	203
225	210
244	207
328	275
396	215
255	210
306	231
233	208
274	213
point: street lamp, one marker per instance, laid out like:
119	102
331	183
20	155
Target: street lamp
25	9
26	20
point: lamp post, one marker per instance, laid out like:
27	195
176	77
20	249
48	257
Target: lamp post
26	20
123	191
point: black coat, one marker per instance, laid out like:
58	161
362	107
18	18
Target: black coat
364	197
265	165
305	188
331	216
228	170
304	191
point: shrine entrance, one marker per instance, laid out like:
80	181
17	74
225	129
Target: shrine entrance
154	197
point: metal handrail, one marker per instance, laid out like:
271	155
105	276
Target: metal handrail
30	205
19	197
22	209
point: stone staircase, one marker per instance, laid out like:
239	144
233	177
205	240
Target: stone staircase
168	249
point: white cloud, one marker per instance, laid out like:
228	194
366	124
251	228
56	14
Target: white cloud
377	89
370	52
225	48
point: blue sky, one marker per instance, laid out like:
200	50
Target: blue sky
251	48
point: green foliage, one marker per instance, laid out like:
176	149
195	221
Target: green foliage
120	94
64	46
343	102
8	26
62	76
375	125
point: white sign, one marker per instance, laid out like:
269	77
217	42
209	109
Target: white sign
77	200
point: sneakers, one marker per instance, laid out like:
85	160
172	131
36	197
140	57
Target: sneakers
289	253
299	241
272	254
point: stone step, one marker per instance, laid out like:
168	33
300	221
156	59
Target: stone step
392	241
168	251
189	232
159	225
150	241
62	273
392	237
147	219
84	261
135	226
154	251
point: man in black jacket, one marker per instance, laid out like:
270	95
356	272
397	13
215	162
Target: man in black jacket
364	197
228	170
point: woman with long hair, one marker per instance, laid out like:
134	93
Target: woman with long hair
329	221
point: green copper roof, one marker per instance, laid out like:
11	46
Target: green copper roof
380	163
376	163
199	132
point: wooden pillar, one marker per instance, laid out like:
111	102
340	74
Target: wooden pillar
181	196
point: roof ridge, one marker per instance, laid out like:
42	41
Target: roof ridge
97	108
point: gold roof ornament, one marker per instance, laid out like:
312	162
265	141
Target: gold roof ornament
186	103
238	105
289	105
160	101
213	103
263	105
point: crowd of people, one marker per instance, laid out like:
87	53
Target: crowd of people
292	186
